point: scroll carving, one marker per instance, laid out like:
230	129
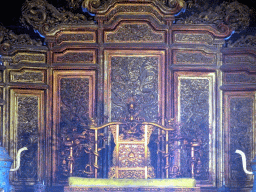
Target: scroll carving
196	57
75	57
240	59
28	76
88	37
28	58
134	33
43	16
193	38
232	78
8	39
235	15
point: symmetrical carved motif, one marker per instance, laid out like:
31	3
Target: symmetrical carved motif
8	39
235	15
134	33
75	57
193	38
27	132
244	41
194	57
134	77
194	119
241	136
27	76
43	16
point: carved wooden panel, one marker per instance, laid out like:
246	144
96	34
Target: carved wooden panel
136	32
136	75
239	78
75	37
195	109
28	76
239	134
192	38
27	129
193	57
76	56
28	58
73	106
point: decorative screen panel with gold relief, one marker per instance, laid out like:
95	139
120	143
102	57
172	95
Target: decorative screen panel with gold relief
26	125
137	76
195	107
239	134
73	106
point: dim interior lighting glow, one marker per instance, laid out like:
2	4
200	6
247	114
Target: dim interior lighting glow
36	31
227	38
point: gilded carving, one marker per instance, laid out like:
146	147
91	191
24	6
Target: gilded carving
194	119
28	58
134	33
134	77
43	16
193	38
27	134
75	57
27	76
235	15
8	39
241	136
85	37
195	57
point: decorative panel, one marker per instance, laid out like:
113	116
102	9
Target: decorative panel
240	77
239	59
134	32
27	129
192	38
28	76
76	37
189	57
81	56
137	76
28	58
195	97
73	106
239	134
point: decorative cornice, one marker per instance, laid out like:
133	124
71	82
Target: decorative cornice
244	41
8	39
235	15
43	16
98	6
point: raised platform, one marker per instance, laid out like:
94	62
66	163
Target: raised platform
161	185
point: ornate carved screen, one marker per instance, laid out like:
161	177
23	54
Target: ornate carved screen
129	51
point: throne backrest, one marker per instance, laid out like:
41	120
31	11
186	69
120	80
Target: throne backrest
131	158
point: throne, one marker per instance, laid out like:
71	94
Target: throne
131	166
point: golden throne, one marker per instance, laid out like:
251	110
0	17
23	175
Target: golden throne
131	157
